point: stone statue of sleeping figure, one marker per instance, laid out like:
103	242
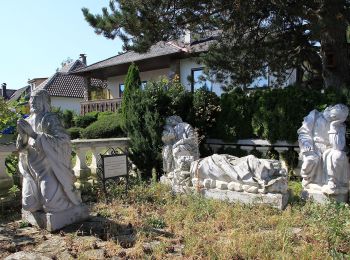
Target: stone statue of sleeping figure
246	174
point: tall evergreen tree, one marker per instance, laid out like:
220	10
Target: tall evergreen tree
252	35
132	82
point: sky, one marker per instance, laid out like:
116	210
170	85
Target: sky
37	36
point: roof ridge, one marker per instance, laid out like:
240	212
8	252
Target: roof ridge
100	61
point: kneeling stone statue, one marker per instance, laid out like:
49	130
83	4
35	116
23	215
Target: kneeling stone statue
325	168
49	199
217	175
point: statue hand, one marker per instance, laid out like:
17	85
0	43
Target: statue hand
307	148
26	128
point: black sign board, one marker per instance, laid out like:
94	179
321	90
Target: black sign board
112	167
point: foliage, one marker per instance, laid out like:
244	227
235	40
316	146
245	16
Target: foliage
206	107
252	36
234	121
181	100
74	132
8	117
235	151
291	159
279	112
84	121
132	83
103	114
144	126
67	118
106	127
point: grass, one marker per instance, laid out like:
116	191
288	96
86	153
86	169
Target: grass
211	229
165	226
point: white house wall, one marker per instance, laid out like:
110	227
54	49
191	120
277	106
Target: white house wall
114	82
186	66
67	103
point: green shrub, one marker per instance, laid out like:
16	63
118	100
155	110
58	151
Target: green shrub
84	121
67	118
235	151
206	108
93	113
279	112
74	132
235	120
105	127
103	114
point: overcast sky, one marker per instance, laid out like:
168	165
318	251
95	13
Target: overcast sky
36	36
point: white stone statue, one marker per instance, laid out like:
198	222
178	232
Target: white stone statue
45	159
325	167
180	147
248	174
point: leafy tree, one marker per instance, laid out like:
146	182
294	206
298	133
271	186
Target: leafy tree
252	36
8	117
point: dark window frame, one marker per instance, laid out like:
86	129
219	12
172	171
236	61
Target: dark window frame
121	92
193	70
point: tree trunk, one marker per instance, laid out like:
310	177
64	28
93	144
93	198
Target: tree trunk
334	48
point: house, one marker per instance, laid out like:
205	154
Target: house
163	59
6	93
67	90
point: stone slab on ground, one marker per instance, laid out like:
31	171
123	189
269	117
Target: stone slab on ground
276	200
57	220
27	256
320	197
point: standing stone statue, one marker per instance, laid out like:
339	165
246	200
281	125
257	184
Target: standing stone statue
45	163
180	148
325	168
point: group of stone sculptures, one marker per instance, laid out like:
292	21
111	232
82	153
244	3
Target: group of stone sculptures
50	200
225	172
325	166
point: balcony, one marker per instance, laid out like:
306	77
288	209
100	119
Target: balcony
100	105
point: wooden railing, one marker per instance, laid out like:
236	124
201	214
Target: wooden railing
100	105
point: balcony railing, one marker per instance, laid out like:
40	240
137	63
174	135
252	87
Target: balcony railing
100	105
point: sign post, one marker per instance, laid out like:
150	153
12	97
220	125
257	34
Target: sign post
111	167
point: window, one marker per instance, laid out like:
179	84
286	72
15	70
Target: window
199	80
143	84
121	89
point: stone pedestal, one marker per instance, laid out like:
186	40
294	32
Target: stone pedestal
276	200
320	197
57	220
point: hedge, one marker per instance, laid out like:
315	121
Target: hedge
106	127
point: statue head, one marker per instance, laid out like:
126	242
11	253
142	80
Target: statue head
337	112
173	120
40	101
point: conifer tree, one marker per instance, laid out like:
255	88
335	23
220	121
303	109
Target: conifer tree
252	36
132	82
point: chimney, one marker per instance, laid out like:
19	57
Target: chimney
187	36
83	58
3	86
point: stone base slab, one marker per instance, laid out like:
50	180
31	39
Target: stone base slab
56	220
320	197
276	200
